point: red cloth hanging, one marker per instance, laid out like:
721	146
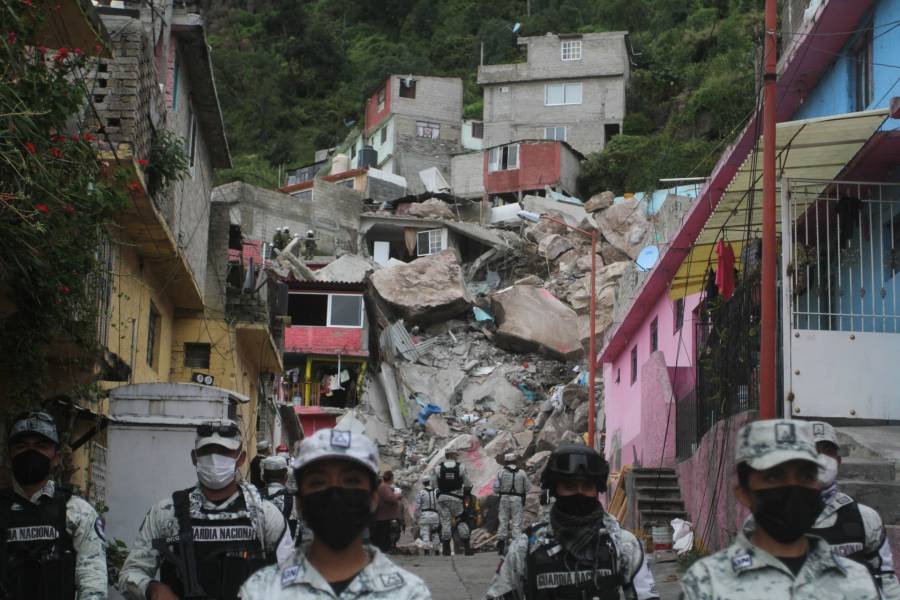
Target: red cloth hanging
725	269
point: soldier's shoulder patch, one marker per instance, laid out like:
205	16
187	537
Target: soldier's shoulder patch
844	499
742	560
289	574
391	580
100	528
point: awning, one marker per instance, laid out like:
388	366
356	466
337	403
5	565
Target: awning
811	149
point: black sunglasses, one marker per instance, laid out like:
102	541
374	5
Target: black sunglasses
40	416
570	464
207	430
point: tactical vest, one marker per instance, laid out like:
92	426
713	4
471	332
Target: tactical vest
431	505
512	488
284	501
38	561
554	574
449	478
847	536
226	547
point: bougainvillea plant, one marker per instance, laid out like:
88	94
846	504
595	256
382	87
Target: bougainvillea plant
56	201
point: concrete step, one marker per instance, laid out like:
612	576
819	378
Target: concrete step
659	504
658	493
883	496
647	478
862	469
652	517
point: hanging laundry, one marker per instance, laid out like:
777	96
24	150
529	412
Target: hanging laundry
345	376
334	383
725	269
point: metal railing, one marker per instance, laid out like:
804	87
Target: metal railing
842	255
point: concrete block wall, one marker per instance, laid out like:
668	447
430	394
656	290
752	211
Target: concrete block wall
437	99
335	217
413	154
261	212
467	175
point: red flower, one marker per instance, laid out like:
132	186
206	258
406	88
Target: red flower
88	137
64	290
56	152
69	209
43	50
98	48
42	208
77	51
31	149
143	162
57	138
26	2
61	55
135	186
11	38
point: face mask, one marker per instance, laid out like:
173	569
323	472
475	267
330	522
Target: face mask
30	467
828	470
577	505
337	515
787	512
216	471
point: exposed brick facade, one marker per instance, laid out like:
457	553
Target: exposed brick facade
325	340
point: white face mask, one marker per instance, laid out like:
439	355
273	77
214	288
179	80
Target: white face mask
216	471
828	470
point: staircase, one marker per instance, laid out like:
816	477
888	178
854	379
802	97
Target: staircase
658	497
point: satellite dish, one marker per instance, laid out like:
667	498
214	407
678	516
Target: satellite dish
647	258
516	27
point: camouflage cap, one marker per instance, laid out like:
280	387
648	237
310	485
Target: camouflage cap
39	423
218	432
337	443
274	463
765	444
824	432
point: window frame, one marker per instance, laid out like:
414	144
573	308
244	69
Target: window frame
411	86
565	93
384	134
328	309
480	126
634	365
863	70
433	128
191	140
556	129
654	334
570	45
498	156
381	99
153	334
208	348
678	310
441	241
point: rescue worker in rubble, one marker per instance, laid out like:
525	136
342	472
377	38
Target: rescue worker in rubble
774	555
451	476
275	472
54	546
511	484
309	245
854	530
206	540
262	451
582	552
427	518
337	476
471	517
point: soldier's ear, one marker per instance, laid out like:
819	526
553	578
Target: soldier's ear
744	496
194	457
242	457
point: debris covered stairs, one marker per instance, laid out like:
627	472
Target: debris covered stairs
657	496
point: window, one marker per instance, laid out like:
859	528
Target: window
571	50
558	94
654	334
503	158
478	130
347	183
383	134
303	195
190	147
153	336
679	314
633	365
196	355
428	130
862	60
431	242
353	151
555	133
408	88
610	130
381	99
326	310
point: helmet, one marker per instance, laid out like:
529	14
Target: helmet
337	443
261	446
575	461
450	452
510	457
274	463
426	481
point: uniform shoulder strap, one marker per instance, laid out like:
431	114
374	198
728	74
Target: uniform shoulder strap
62	495
181	502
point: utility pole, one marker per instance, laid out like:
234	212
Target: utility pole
768	301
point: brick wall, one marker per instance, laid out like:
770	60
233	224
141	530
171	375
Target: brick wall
325	340
335	217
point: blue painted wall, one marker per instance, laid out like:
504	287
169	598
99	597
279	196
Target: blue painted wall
835	92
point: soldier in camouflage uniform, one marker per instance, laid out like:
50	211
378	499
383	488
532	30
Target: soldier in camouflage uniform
337	478
511	484
55	546
427	518
853	529
582	552
206	540
451	476
774	556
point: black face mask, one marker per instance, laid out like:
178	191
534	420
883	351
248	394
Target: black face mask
337	515
577	505
787	512
30	467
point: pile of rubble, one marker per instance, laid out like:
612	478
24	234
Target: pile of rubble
488	357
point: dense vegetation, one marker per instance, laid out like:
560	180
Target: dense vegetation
293	74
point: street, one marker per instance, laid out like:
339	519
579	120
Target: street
468	577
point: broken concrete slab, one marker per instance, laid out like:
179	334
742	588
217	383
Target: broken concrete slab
625	226
530	280
349	267
493	392
570	213
532	319
428	290
543	228
437	426
538	461
504	442
433	208
551	435
439	386
581	417
553	245
524	438
599	202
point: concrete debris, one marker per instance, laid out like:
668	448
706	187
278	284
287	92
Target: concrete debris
625	227
530	280
437	426
599	202
348	268
532	319
543	228
433	208
427	290
572	214
553	245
